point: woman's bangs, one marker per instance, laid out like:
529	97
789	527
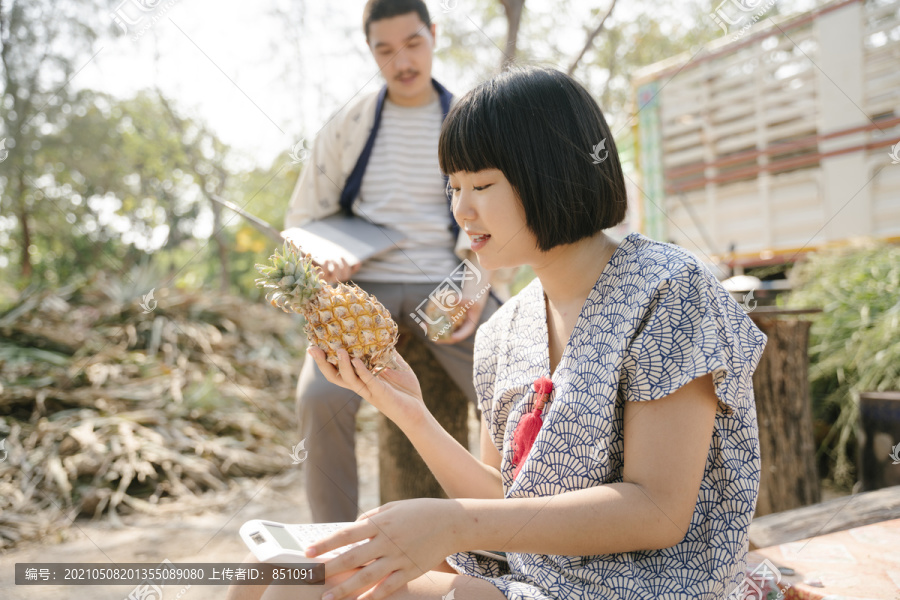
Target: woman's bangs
466	138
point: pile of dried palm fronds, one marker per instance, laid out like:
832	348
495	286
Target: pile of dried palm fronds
107	406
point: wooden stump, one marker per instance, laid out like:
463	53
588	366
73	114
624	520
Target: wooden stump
789	478
402	472
879	421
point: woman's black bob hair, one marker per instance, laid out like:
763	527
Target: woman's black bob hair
543	130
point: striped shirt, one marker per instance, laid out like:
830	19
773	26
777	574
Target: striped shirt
403	189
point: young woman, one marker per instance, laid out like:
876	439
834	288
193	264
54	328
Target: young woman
619	453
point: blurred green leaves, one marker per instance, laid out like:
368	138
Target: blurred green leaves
117	181
855	342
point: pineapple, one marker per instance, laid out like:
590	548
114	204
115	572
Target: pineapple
336	317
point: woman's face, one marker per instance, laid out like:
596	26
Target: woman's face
487	208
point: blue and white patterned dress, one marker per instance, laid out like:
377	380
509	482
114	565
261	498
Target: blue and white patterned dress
655	319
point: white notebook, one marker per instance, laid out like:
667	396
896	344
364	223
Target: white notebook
340	236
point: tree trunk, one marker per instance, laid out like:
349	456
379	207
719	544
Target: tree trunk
879	419
513	10
26	230
402	472
225	275
789	478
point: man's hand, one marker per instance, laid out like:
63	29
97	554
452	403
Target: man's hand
335	272
467	322
475	294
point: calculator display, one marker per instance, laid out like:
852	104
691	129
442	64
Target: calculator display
284	539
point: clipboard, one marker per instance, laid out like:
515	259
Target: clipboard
334	237
342	236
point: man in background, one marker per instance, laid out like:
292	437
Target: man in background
377	158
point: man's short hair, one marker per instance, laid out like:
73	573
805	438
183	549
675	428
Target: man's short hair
377	10
548	136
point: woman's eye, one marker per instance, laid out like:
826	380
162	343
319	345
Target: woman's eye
478	188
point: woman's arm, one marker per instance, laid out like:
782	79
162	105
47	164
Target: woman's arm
666	445
459	473
396	393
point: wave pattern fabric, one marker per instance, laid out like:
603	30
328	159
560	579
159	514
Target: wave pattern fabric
655	319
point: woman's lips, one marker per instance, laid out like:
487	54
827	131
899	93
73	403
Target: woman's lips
478	241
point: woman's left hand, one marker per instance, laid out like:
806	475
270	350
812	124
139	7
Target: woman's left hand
405	540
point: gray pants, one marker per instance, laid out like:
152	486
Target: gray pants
327	413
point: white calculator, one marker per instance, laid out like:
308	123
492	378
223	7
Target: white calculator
287	543
282	542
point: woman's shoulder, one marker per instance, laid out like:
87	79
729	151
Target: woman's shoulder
661	272
653	261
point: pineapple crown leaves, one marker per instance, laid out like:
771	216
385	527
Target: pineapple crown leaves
291	278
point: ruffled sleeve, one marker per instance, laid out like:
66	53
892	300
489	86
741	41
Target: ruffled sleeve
692	326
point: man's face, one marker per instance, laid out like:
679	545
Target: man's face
403	47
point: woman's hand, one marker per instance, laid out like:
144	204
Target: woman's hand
405	540
396	393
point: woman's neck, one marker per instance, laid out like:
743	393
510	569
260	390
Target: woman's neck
569	272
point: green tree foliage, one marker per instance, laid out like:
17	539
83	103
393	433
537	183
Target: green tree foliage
115	179
117	173
854	341
42	45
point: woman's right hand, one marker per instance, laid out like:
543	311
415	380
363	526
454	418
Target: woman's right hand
394	392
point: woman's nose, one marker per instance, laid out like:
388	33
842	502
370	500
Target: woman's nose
463	210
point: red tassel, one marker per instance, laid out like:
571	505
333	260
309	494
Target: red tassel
529	425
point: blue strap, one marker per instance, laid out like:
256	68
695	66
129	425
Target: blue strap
354	181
